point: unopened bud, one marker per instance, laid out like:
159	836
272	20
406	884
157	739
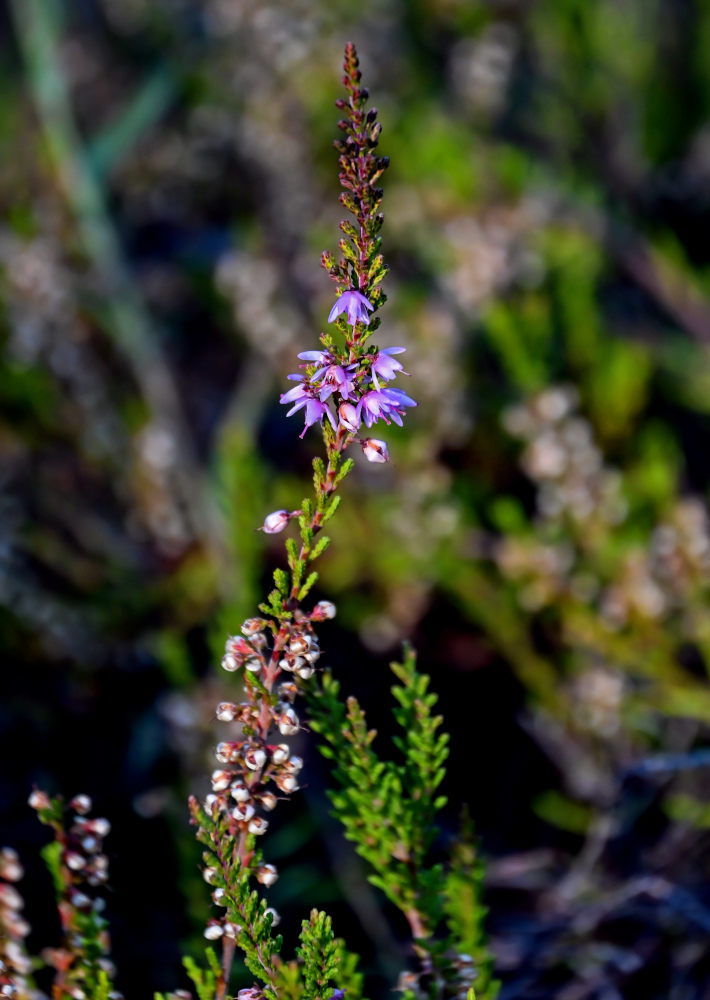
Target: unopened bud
349	416
39	800
322	611
100	826
294	764
374	450
280	753
231	930
258	826
275	522
219	896
243	812
300	644
213	931
268	801
226	711
288	723
286	782
255	759
221	780
209	875
253	665
74	860
287	691
240	793
275	918
81	804
230	663
266	874
305	672
253	625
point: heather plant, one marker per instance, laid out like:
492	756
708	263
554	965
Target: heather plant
387	807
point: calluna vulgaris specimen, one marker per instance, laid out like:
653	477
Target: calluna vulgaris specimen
387	808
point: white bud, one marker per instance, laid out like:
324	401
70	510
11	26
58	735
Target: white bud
288	723
253	665
268	801
323	610
266	874
219	896
258	826
240	793
81	804
294	765
275	918
231	930
287	691
221	780
38	800
300	644
74	861
280	753
229	663
243	812
313	654
287	782
213	932
101	827
209	875
306	672
226	711
255	759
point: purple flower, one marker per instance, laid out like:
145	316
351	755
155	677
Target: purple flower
335	377
338	994
385	366
315	409
385	403
356	305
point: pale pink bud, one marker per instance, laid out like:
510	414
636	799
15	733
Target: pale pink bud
275	522
258	826
237	646
101	827
209	875
219	897
374	450
322	611
253	625
266	874
349	417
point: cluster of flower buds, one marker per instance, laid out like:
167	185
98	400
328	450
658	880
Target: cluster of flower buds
83	867
14	962
256	767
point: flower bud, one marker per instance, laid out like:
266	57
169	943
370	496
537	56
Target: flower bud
374	450
349	416
213	931
253	625
268	801
322	611
266	874
231	930
300	644
254	758
74	860
243	812
219	897
275	918
226	710
209	875
286	782
275	522
100	826
288	723
280	753
230	663
221	780
258	826
305	672
293	765
287	691
81	804
240	793
39	800
253	665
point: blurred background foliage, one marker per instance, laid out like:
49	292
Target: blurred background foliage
167	182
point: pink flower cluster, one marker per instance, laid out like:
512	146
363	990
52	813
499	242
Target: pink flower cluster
355	388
